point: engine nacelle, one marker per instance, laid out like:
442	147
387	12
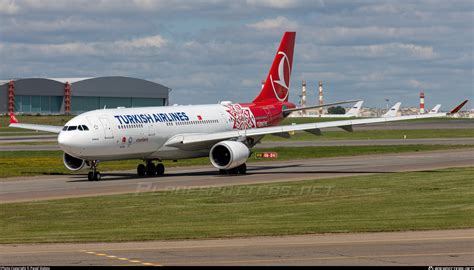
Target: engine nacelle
228	154
73	163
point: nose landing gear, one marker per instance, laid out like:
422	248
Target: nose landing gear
94	175
150	169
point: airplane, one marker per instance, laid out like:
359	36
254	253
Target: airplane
435	108
353	112
224	132
393	111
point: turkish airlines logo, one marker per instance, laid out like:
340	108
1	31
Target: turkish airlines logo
282	86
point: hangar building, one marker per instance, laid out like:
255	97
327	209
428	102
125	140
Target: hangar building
77	95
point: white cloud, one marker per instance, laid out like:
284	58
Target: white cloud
8	7
394	49
419	84
373	77
279	22
424	52
156	41
348	35
273	3
382	8
24	51
138	46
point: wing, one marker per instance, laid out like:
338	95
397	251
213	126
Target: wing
185	141
288	111
47	128
14	123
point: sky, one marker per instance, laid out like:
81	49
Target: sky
208	51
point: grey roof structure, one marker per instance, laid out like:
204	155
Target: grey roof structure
112	86
119	87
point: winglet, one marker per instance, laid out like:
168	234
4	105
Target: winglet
13	119
458	108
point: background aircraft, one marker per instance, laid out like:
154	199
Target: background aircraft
353	112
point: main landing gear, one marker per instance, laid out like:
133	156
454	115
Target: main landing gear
150	169
242	169
94	174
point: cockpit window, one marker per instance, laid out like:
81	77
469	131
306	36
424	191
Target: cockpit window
79	127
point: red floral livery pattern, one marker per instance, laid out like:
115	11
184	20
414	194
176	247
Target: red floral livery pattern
242	116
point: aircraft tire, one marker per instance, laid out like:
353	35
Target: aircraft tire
150	169
242	169
160	169
94	176
141	170
233	171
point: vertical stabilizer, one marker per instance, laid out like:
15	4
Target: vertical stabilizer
435	109
393	111
277	84
355	110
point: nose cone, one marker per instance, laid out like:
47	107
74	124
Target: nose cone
63	141
67	143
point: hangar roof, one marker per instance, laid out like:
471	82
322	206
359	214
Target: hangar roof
112	86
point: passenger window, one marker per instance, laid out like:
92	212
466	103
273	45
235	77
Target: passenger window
72	128
64	128
85	127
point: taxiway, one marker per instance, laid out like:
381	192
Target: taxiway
449	247
18	189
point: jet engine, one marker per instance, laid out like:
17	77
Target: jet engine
228	154
73	163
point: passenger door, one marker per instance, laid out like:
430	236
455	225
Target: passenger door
104	120
96	128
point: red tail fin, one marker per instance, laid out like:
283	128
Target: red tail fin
277	83
13	119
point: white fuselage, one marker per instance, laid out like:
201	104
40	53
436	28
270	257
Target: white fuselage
140	133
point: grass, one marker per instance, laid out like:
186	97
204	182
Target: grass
30	143
20	163
379	134
16	132
426	200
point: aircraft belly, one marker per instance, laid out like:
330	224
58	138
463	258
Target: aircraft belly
175	154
